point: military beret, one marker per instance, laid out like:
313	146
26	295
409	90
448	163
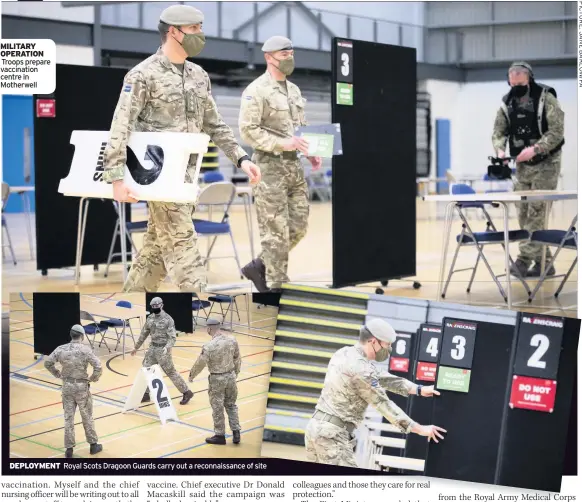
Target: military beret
78	329
181	15
521	65
156	301
213	322
277	43
381	330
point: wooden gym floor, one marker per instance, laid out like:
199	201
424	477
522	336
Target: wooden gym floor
310	262
35	407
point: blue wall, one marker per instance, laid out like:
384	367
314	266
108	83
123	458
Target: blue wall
17	114
443	152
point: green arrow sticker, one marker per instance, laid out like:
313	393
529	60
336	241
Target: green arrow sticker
455	379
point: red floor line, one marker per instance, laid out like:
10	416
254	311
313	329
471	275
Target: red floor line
114	388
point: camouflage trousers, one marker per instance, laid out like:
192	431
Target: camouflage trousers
326	443
155	355
169	248
282	203
78	394
532	215
222	393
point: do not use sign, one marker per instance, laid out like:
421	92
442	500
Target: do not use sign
533	394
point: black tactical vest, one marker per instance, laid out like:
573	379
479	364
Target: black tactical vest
527	122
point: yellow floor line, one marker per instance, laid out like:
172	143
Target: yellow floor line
321	306
287	397
296	383
317	338
318	322
326	291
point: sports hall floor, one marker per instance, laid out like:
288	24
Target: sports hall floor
35	409
310	262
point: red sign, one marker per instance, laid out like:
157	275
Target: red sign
426	371
533	393
45	108
399	364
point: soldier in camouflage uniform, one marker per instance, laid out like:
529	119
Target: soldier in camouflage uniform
74	358
531	118
161	328
222	356
168	93
351	384
271	109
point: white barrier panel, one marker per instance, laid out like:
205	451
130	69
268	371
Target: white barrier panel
155	169
151	378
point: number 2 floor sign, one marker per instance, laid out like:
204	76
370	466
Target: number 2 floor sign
151	378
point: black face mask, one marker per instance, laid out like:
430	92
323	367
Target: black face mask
519	91
156	310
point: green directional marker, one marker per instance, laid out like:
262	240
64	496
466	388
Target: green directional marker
454	379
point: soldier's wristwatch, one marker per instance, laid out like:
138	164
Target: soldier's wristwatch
418	389
241	160
537	149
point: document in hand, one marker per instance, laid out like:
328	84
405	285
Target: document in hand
324	140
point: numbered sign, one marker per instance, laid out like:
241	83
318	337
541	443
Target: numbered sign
155	168
458	344
345	64
430	343
533	394
152	378
400	357
539	344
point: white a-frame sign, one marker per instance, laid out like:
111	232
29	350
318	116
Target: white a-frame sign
155	167
152	378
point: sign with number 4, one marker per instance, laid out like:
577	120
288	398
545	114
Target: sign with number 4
151	378
430	342
539	344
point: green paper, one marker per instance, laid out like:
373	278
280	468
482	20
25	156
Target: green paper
455	379
345	94
320	145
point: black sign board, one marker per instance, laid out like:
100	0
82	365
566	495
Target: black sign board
345	63
458	343
538	346
430	343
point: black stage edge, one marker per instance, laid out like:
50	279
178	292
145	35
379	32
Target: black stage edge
374	180
85	99
176	467
53	315
271	299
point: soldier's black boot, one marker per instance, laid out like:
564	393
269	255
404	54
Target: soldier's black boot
69	453
146	398
255	272
216	439
236	437
519	268
95	448
536	270
187	396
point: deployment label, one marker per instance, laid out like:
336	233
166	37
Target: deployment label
27	66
